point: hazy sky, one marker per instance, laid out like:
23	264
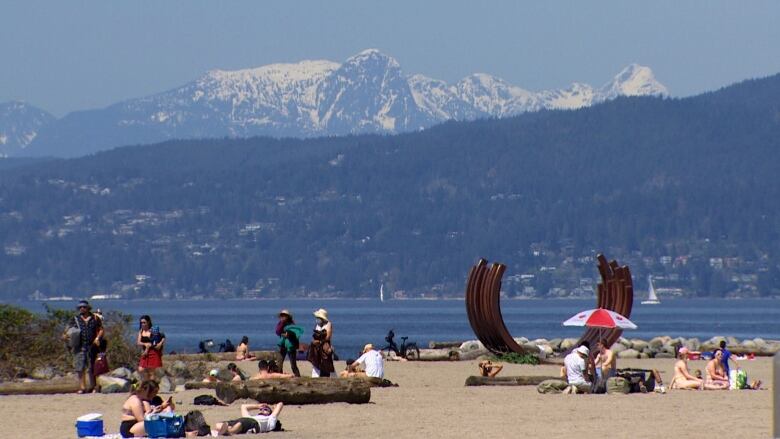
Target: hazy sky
71	55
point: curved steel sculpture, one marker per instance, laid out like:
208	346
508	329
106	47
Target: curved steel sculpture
483	304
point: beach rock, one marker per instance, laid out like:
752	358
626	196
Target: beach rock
555	343
179	369
732	341
43	373
472	345
638	344
520	340
167	385
628	353
568	343
136	377
618	348
760	342
771	348
179	381
749	344
693	344
121	372
644	356
716	340
678	341
545	351
658	342
109	384
624	341
669	349
531	348
663	355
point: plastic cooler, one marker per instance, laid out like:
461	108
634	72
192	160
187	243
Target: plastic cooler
164	425
89	425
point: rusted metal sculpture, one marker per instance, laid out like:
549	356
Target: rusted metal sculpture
615	293
483	304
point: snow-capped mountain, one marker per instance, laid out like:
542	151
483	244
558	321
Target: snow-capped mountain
19	126
367	93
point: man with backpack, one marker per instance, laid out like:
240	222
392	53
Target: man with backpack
86	347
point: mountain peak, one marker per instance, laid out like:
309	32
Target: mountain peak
634	80
373	56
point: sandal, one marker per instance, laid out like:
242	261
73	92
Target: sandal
81	392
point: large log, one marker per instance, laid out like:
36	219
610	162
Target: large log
531	380
223	356
438	355
444	344
371	381
48	387
300	390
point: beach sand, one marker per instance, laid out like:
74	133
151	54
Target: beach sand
432	402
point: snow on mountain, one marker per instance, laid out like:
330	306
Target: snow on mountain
19	126
367	93
634	80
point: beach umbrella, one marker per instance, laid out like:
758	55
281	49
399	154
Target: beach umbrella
600	318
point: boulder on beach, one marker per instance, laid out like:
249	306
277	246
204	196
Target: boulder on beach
568	343
520	340
639	344
43	373
618	347
531	348
749	344
122	372
663	355
658	342
471	345
167	385
628	353
109	384
624	341
693	344
555	343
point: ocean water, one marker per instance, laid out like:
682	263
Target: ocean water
357	322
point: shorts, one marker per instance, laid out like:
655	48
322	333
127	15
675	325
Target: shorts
125	426
248	425
83	360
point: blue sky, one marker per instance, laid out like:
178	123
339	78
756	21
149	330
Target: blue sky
71	55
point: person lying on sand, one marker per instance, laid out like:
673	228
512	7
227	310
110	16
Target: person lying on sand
255	418
264	372
488	369
682	377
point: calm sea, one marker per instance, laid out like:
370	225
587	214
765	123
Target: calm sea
357	322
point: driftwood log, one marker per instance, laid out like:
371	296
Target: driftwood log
48	387
223	356
444	344
371	381
438	355
300	390
532	380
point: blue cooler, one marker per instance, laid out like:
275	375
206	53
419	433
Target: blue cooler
89	425
164	425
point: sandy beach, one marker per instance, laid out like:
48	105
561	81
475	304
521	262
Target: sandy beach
431	401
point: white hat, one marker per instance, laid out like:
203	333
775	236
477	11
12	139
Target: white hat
583	350
321	313
214	372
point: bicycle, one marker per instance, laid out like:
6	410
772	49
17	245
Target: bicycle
408	351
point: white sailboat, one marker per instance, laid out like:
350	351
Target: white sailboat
382	293
652	298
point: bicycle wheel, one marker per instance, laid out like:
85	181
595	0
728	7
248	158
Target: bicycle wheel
412	352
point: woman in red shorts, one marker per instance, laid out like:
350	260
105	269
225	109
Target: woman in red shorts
152	341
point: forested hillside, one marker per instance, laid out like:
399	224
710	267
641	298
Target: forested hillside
642	179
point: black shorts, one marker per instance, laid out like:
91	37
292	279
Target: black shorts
248	425
124	428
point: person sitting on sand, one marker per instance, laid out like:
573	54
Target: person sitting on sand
488	369
212	376
576	364
264	372
137	406
265	419
682	377
372	360
238	374
716	378
606	361
350	371
242	351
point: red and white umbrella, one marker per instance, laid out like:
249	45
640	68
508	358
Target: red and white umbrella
600	318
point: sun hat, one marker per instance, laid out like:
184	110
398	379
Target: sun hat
368	347
285	312
322	314
684	350
214	372
83	303
583	350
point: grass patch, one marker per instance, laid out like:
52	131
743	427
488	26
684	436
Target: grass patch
515	358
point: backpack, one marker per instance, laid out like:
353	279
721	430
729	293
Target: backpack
552	386
618	385
206	400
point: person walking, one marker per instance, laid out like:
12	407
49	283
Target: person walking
90	337
321	348
289	340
